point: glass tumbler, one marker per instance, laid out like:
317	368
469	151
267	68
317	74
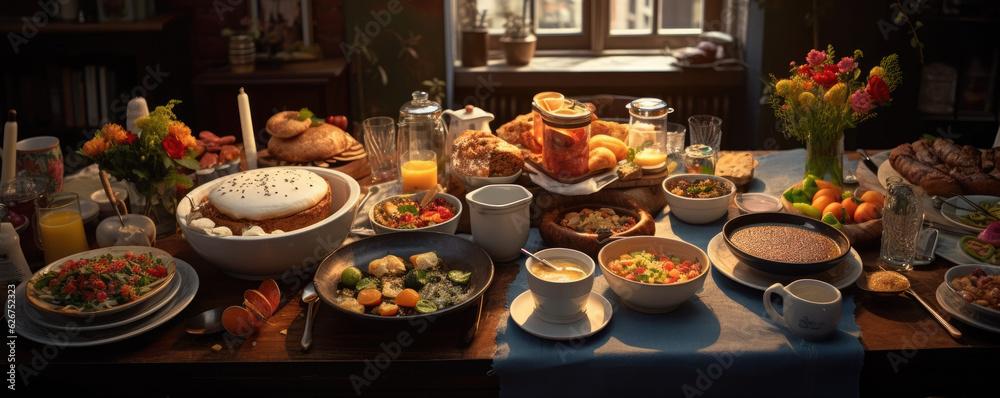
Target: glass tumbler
380	145
59	226
706	130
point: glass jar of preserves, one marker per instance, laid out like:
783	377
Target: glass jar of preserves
700	159
648	130
565	136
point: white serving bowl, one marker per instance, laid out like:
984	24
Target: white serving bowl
697	210
647	297
966	269
472	183
272	256
448	227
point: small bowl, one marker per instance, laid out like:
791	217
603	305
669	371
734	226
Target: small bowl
790	220
697	210
101	198
646	297
448	227
757	203
966	269
561	302
472	183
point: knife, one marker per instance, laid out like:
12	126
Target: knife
868	161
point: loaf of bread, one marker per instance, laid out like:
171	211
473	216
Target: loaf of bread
932	180
613	144
736	167
481	154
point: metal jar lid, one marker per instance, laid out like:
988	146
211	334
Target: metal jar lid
573	121
649	107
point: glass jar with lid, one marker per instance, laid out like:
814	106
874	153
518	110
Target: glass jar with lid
648	131
565	136
420	131
700	159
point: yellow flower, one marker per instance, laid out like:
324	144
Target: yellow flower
837	94
142	122
114	132
784	87
95	146
876	71
807	99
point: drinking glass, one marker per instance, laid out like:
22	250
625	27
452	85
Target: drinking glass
59	226
706	130
418	170
675	137
380	144
901	222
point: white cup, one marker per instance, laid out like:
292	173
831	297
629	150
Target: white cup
810	309
501	219
561	301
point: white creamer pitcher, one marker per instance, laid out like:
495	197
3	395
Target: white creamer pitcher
501	219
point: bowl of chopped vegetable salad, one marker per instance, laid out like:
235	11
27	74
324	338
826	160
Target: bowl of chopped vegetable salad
101	281
652	274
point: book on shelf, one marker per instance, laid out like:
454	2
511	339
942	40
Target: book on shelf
90	88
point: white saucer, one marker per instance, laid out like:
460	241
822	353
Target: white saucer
950	303
522	311
841	276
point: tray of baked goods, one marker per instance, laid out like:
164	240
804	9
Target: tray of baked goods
299	139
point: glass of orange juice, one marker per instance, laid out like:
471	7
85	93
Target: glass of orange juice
59	226
418	170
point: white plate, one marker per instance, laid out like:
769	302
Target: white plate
951	213
841	276
72	337
106	322
885	171
950	303
598	315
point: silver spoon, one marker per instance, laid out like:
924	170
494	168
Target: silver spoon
947	326
863	283
541	260
310	297
206	322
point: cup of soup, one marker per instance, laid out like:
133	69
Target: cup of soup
561	295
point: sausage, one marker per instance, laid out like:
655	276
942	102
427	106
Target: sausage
954	155
208	136
932	180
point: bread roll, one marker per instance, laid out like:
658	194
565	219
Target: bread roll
601	158
932	180
286	124
616	146
954	155
736	167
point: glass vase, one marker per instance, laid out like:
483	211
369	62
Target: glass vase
825	158
152	202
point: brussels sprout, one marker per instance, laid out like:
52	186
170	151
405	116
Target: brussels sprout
415	279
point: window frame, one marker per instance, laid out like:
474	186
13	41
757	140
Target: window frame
595	36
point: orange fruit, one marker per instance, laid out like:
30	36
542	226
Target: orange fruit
257	303
832	193
874	198
866	211
826	185
369	297
822	202
239	321
408	298
837	209
270	290
850	206
552	104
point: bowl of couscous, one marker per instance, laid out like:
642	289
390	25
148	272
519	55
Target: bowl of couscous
652	274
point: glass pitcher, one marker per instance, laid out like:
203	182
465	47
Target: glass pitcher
901	221
421	129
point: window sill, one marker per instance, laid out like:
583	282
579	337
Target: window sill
611	70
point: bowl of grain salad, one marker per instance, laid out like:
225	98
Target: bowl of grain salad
698	198
653	274
785	244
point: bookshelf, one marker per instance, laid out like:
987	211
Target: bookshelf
69	79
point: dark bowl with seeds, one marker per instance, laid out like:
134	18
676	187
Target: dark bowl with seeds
785	244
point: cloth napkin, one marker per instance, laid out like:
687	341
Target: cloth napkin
719	343
585	187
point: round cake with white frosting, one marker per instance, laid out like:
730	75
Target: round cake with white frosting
273	198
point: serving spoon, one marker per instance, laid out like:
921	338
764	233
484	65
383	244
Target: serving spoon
206	322
541	260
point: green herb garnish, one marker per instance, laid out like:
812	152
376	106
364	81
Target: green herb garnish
305	113
408	209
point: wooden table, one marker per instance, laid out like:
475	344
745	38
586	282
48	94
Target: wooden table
906	351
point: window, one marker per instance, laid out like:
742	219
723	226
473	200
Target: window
624	24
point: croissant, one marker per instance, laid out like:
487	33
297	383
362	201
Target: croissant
601	158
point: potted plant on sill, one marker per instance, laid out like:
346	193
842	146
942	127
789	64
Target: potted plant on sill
475	35
518	41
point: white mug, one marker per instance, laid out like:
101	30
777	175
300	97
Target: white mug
561	301
810	309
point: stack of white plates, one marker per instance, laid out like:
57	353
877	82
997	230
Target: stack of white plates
45	323
953	303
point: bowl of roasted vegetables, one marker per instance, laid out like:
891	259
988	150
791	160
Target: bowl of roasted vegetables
101	281
585	227
395	277
978	285
408	213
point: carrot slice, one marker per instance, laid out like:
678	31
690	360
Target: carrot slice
257	303
270	290
369	297
239	321
407	298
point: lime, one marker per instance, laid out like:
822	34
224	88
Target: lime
459	277
350	276
426	307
